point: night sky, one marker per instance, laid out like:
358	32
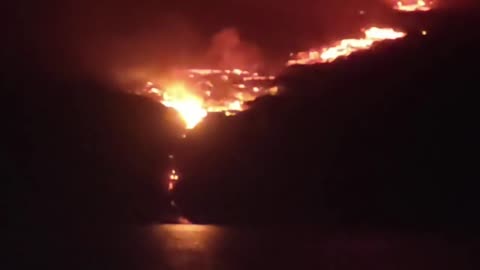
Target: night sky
111	38
115	39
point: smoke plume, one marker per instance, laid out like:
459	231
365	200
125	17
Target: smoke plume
227	50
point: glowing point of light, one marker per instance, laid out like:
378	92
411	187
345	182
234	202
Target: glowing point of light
173	177
256	89
273	91
237	71
424	33
155	91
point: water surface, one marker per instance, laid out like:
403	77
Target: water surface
205	247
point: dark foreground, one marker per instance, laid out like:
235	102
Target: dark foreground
218	247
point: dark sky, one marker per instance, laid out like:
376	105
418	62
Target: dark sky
108	36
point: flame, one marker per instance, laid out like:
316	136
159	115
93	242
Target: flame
345	47
419	5
189	106
197	92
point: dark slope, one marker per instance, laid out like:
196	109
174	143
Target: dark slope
385	137
81	152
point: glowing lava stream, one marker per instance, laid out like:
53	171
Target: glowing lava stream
419	5
345	47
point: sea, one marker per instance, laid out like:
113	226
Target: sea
206	247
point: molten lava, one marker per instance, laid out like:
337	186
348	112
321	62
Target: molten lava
189	106
345	47
194	93
413	6
197	92
172	179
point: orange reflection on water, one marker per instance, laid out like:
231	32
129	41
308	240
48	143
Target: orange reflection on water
194	241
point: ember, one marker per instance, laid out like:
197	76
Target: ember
172	178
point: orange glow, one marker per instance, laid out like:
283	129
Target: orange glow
189	106
345	47
183	220
172	178
235	106
273	91
413	6
197	92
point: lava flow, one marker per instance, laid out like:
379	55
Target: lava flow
173	178
413	6
196	92
345	47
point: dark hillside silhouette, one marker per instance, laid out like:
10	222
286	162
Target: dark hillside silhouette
385	137
85	153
